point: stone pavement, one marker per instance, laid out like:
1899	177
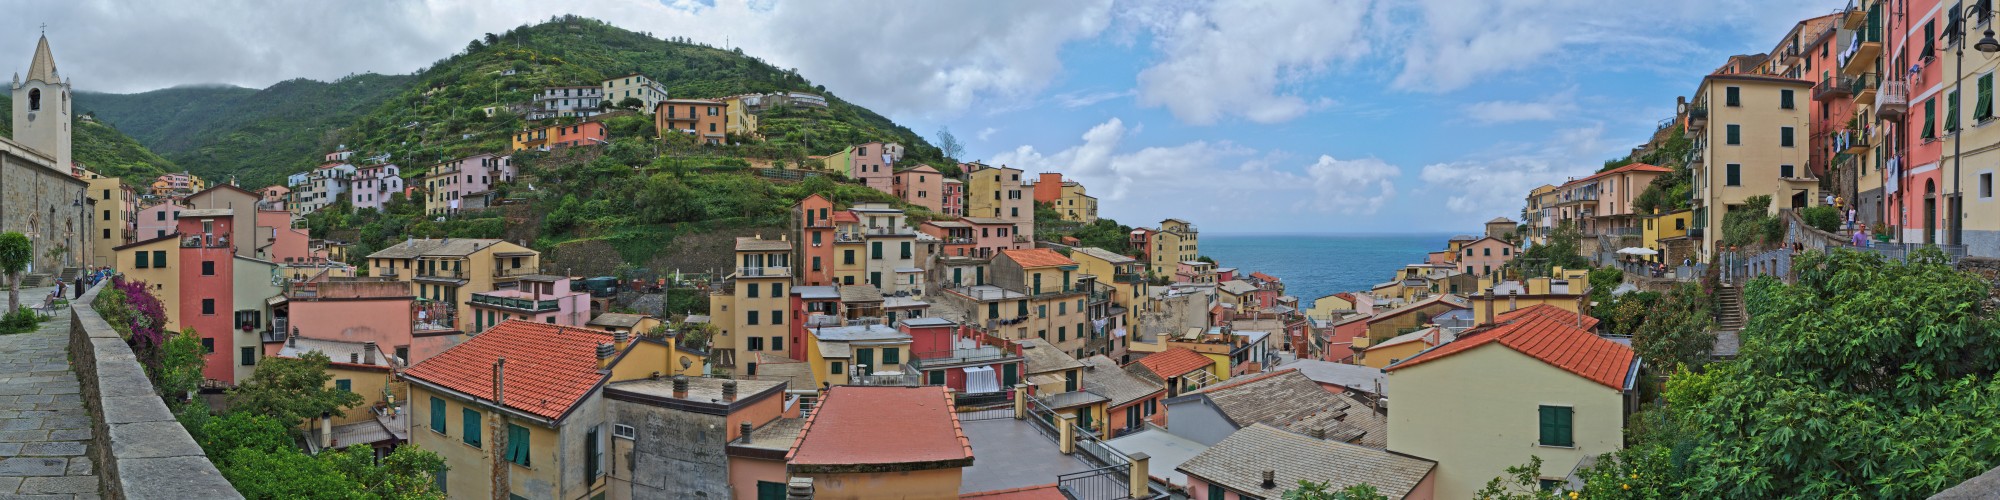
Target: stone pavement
44	431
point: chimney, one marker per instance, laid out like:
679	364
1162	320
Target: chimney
800	488
1489	307
1319	433
325	431
499	382
1511	295
604	352
293	339
368	353
680	387
1270	479
745	429
728	390
621	340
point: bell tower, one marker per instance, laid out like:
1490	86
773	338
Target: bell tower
42	108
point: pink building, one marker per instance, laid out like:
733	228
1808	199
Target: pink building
955	356
273	197
872	164
537	298
157	220
451	181
382	312
954	197
991	235
1486	255
277	241
374	184
921	186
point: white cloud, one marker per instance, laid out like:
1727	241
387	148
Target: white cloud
1498	184
1214	182
986	133
1073	100
1247	59
1548	108
900	56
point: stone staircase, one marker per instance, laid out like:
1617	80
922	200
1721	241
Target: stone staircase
1732	316
36	280
70	274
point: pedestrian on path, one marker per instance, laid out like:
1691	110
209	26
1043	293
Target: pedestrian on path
78	294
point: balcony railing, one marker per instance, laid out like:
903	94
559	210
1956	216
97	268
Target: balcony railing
508	272
528	305
846	237
205	242
1850	141
960	241
890	231
985	354
1853	16
440	273
1893	99
1127	278
1862	48
1834	87
766	271
906	378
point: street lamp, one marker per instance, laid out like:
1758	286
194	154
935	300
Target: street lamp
1987	45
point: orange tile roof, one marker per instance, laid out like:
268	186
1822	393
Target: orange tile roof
1174	362
1634	167
847	429
1037	257
1550	312
1542	337
1037	492
1262	276
845	216
550	368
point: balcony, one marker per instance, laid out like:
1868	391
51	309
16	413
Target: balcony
960	240
1893	99
891	231
443	274
764	272
513	272
906	378
846	237
1862	49
1128	278
523	305
1850	141
1832	87
205	241
1697	118
978	355
1863	88
1853	17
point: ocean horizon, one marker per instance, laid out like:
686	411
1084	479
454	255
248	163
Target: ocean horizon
1313	265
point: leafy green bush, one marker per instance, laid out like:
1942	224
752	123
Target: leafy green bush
22	320
1822	217
1750	223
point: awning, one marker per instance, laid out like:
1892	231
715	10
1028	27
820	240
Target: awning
1637	251
981	380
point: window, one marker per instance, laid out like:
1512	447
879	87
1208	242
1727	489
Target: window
207	307
160	259
756	343
1556	426
437	415
767	490
1785	171
472	427
777	343
847	258
834	368
752	319
1733	96
875	250
517	445
750	290
207	268
1930	37
593	454
1488	252
1735	136
892	356
624	431
1785	137
1983	110
1680	224
777	290
1930	120
1951	112
249	355
1986	185
906	249
1733	176
140	262
208	345
1215	492
344	385
1785	99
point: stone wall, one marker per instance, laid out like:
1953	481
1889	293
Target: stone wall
1987	268
140	450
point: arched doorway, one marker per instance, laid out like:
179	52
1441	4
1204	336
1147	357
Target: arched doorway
1930	212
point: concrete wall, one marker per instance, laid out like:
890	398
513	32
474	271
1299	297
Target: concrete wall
39	201
153	457
1196	420
678	454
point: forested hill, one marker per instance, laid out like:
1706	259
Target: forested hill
104	149
439	112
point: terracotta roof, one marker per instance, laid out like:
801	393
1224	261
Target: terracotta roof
1174	362
1038	492
1547	311
1635	167
754	244
1558	343
845	216
1239	461
1262	276
846	430
550	368
1037	257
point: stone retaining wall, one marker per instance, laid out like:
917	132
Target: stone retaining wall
140	450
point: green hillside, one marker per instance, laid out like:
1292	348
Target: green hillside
258	135
104	149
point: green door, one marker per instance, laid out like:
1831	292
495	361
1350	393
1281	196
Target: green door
937	377
1069	381
1083	418
1009	375
767	490
865	356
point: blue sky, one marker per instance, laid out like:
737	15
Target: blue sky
1253	116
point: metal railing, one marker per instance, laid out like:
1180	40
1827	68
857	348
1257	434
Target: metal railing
1834	86
1105	483
907	378
981	354
516	304
755	272
504	272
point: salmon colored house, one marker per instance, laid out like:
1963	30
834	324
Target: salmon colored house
589	133
813	218
921	186
207	287
700	118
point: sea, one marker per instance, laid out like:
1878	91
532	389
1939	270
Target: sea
1314	265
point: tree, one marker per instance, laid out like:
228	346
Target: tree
180	366
292	390
631	103
1308	490
948	144
1522	482
1564	249
1678	330
15	254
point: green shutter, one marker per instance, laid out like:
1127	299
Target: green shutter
1069	381
141	261
437	414
1784	139
344	385
1984	108
160	259
472	428
936	377
1556	429
767	490
1214	491
440	475
1010	374
1951	112
1735	135
1785	99
517	445
892	356
834	368
590	452
1930	119
875	247
865	356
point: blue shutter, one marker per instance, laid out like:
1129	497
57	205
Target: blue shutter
472	428
437	414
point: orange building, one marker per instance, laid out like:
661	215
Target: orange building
579	134
701	118
812	217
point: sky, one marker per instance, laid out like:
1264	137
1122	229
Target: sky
1252	116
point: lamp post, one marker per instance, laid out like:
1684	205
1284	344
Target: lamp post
1986	44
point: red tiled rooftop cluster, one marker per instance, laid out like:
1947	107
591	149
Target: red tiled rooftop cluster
848	428
550	368
1547	337
1175	362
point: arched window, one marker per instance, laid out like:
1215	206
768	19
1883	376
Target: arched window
34	99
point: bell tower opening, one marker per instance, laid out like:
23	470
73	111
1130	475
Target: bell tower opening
34	99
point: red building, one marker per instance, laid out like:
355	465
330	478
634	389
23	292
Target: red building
208	287
812	306
964	360
813	218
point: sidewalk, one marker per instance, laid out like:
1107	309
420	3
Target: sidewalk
44	432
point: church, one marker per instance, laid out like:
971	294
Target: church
40	195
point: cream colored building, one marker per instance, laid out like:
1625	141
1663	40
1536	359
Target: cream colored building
1176	241
1535	395
450	270
736	116
749	310
1754	141
634	86
1125	275
117	217
1971	176
1074	205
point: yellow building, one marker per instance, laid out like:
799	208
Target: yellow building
1399	348
448	271
1055	308
1536	397
154	262
1337	305
117	207
1074	205
1753	142
521	405
1125	275
749	309
737	118
997	192
1176	241
1660	228
869	354
357	367
1539	215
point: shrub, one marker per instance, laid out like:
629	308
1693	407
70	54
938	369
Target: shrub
22	320
1824	218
